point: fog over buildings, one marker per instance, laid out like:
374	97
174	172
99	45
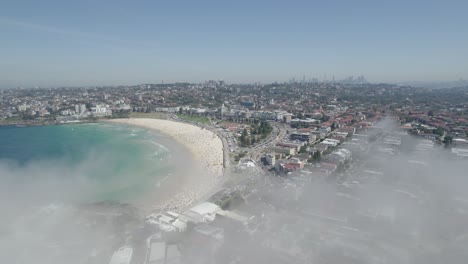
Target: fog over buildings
406	207
400	199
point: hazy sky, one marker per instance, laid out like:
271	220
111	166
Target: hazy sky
129	42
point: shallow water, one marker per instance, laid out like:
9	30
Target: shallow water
81	163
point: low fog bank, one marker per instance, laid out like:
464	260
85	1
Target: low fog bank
49	213
400	199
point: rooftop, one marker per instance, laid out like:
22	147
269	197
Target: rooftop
122	256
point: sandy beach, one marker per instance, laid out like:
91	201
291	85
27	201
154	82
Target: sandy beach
197	179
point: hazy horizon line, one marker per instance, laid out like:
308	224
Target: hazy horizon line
297	80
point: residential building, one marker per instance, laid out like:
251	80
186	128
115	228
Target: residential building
122	256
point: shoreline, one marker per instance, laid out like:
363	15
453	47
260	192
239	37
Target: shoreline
197	178
32	123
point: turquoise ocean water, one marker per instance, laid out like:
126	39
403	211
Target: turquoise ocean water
81	162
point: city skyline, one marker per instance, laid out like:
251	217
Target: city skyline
118	43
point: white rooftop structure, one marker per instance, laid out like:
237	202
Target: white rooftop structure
460	140
207	211
167	222
165	219
307	120
173	214
331	142
174	222
345	134
122	256
345	153
248	163
234	216
190	216
180	225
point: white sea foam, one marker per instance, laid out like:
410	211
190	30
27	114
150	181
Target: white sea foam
159	145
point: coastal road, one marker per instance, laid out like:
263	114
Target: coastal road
221	135
224	139
278	133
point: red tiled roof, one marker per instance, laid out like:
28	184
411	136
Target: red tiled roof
290	166
305	130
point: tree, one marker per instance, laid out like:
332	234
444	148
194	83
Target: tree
317	156
243	137
244	133
325	118
180	110
303	149
264	129
448	140
439	131
333	126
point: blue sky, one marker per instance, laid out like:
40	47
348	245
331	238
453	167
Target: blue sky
68	43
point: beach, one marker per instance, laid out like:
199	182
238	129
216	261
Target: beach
198	175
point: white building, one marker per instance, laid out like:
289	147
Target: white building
199	110
204	212
303	122
167	222
331	142
99	110
66	112
80	108
174	222
122	256
342	134
346	153
22	107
